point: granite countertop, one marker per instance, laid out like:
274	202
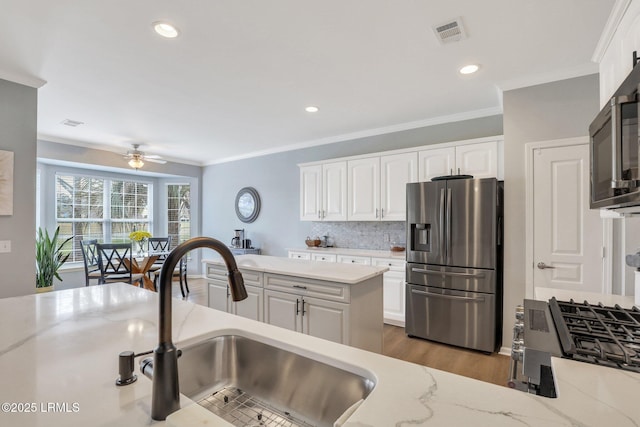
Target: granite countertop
353	252
62	347
340	273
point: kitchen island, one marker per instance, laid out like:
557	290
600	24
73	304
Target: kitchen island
62	348
337	302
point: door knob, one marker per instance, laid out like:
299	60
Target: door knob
543	266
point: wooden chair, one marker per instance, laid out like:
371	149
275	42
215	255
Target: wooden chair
91	262
113	267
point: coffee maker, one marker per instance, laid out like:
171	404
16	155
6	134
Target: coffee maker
237	241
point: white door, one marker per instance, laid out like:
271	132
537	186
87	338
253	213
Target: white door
479	160
334	183
251	307
436	162
364	189
218	296
567	235
395	172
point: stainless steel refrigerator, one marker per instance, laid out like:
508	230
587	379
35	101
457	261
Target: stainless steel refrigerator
454	262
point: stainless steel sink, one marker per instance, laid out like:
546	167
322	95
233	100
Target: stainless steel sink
235	373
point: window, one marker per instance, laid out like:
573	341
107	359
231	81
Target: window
103	209
179	213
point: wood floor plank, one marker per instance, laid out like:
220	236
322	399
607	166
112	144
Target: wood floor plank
492	368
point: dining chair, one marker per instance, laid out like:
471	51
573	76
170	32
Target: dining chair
90	259
114	260
163	244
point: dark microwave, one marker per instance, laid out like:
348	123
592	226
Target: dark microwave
614	145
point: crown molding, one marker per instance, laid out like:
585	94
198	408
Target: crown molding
22	79
615	17
468	115
550	77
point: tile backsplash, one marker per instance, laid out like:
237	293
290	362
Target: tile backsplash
361	234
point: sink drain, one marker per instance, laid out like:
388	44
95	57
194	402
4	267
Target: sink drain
242	410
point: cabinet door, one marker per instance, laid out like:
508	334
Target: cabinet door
310	193
251	308
323	257
364	189
325	319
436	162
394	290
299	255
479	160
218	295
334	189
395	172
281	309
350	259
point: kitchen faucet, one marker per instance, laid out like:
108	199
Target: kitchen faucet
165	396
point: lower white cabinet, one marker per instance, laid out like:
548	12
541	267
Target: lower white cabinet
251	307
393	285
312	316
338	312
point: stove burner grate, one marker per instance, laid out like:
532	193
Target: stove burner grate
609	336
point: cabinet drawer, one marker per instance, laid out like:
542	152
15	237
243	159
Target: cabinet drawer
392	264
348	259
308	287
215	271
323	257
300	255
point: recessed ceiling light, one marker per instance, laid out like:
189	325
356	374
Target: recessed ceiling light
165	29
469	69
311	109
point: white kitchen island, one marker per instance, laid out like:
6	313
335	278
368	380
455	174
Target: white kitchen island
62	348
337	302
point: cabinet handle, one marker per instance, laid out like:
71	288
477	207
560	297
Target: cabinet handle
450	171
382	213
300	287
458	171
319	215
324	213
227	291
352	261
302	307
376	213
297	306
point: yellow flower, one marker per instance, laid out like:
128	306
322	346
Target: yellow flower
139	235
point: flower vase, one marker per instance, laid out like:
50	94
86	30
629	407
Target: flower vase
142	247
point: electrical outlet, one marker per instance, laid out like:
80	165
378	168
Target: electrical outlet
5	246
387	237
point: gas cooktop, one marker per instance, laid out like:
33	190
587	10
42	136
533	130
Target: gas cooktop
608	336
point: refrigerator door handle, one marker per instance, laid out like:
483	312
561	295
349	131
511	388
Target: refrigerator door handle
448	273
452	297
443	249
448	226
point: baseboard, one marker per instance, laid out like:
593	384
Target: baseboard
394	322
505	351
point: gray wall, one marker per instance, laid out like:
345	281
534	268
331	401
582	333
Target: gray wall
562	109
18	121
276	178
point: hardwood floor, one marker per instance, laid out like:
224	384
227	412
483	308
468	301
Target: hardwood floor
492	368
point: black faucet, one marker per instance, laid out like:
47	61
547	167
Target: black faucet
165	397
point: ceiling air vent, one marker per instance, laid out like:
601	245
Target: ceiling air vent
72	123
451	31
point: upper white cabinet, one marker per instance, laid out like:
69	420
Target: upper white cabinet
377	186
323	192
479	160
373	187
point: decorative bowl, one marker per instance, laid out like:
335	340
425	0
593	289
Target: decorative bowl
312	243
397	247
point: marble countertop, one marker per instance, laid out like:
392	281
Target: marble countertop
341	273
545	294
62	348
353	252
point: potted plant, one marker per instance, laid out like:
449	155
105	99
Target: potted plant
140	237
49	258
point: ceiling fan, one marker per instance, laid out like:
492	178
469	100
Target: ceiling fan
137	157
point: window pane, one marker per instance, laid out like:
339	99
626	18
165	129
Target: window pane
179	213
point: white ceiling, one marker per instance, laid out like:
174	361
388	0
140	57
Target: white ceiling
236	81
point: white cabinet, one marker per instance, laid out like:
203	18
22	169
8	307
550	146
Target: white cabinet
363	189
377	186
323	192
393	290
299	255
351	259
478	159
219	296
313	316
345	313
323	257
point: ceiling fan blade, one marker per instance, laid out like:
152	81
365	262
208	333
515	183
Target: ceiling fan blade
152	160
152	156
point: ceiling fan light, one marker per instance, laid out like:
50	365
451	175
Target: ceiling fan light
136	163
